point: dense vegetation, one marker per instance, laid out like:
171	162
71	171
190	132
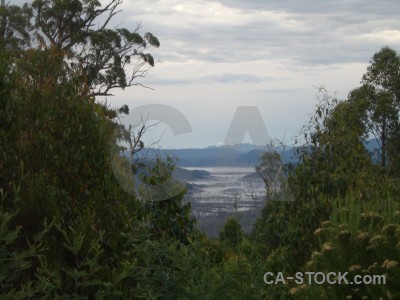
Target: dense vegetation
68	229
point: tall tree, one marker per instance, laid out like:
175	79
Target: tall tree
378	99
332	162
56	175
384	73
109	58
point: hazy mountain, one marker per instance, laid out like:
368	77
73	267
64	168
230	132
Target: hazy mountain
228	155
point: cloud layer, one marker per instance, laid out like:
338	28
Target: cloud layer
217	55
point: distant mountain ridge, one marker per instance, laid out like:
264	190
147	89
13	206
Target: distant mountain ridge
241	155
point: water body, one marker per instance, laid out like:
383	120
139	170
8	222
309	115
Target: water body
226	191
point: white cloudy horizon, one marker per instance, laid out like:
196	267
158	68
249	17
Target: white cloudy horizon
217	55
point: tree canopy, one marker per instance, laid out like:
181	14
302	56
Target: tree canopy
69	230
106	57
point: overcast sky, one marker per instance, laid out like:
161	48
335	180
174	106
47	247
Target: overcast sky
218	55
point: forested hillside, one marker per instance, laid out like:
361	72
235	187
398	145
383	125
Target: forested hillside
69	230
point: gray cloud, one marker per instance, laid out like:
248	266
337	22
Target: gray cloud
301	43
219	78
322	32
258	52
237	78
306	32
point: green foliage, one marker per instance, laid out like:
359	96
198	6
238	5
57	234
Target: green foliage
108	58
333	162
229	272
164	211
15	27
333	159
102	242
377	101
174	272
383	72
238	278
362	238
285	230
232	232
271	172
330	163
15	263
61	140
69	230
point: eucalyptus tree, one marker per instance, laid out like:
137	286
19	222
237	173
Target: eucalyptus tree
81	32
378	101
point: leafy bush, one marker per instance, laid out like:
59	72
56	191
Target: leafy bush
362	238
